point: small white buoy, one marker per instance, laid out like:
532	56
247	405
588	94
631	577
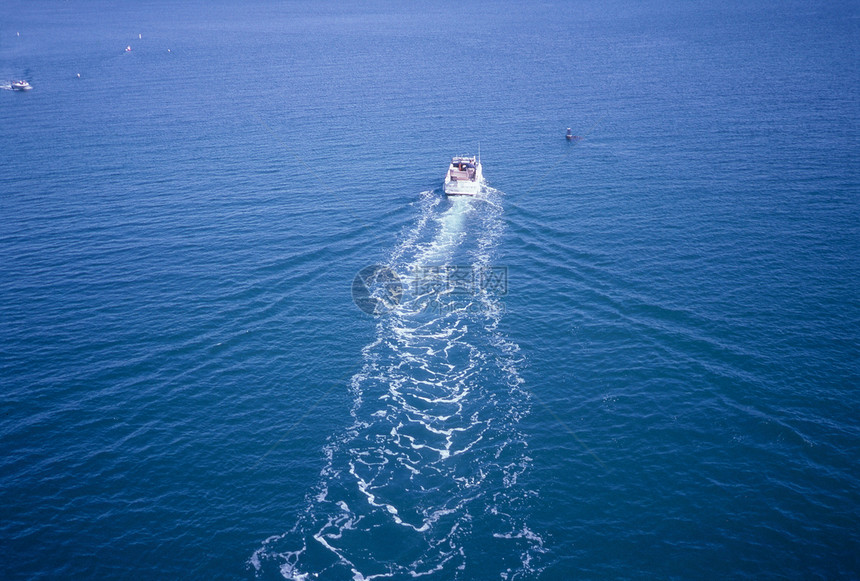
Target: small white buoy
18	33
168	50
139	36
79	75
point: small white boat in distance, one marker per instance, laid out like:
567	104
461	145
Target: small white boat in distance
464	177
21	86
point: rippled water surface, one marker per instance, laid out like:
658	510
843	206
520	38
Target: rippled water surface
635	355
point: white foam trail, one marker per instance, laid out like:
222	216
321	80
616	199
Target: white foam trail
434	440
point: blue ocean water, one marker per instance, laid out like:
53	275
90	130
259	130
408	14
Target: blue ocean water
650	369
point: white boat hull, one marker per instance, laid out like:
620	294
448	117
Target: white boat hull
462	188
462	181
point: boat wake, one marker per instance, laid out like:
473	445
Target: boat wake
424	483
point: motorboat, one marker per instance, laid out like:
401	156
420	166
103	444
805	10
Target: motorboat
21	86
464	176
